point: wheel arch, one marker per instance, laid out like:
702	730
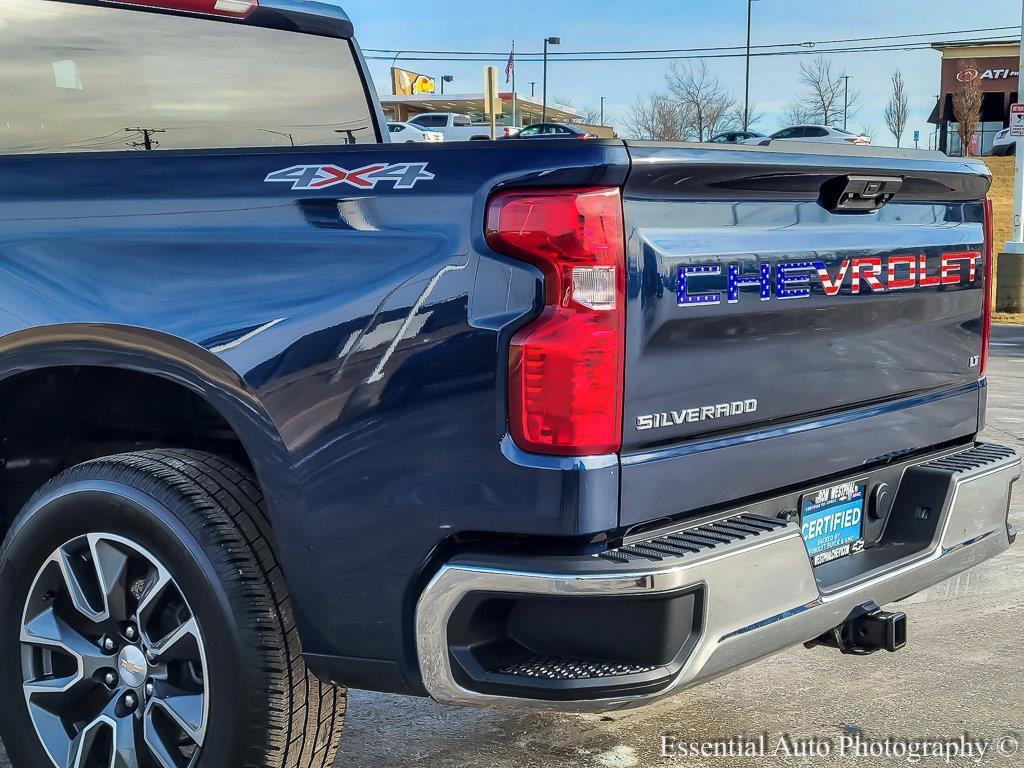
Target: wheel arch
178	363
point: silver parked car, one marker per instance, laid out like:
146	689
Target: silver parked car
824	133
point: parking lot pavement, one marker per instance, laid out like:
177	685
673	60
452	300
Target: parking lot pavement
959	674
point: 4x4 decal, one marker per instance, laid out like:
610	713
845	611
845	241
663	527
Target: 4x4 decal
305	177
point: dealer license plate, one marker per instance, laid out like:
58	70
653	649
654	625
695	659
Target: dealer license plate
832	522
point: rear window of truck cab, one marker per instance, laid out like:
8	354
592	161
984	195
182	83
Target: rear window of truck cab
84	78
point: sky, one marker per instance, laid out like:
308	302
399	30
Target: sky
655	24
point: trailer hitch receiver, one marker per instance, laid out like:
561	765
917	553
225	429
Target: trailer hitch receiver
868	629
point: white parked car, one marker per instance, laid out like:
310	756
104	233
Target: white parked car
455	127
824	133
403	133
1004	143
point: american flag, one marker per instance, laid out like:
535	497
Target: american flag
510	68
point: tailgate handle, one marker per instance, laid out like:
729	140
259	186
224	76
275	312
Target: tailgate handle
858	194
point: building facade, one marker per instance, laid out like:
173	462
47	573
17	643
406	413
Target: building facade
528	109
995	63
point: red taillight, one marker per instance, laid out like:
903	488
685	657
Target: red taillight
238	9
566	367
986	328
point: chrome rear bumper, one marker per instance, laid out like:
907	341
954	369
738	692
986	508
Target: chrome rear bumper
760	594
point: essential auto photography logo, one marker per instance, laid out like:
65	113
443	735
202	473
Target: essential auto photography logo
958	750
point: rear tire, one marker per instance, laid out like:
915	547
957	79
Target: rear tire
201	522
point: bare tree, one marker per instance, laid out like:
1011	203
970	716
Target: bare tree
825	99
694	107
755	116
967	107
897	111
656	118
797	114
589	115
706	106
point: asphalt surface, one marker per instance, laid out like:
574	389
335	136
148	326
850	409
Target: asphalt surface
960	674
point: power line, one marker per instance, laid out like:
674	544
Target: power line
88	143
476	58
805	44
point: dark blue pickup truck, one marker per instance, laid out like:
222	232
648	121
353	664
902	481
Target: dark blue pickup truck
286	408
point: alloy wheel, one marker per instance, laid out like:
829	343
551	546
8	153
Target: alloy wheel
113	661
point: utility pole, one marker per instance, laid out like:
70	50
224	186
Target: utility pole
515	94
846	98
147	142
602	110
746	90
544	109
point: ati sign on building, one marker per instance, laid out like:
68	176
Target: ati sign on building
968	73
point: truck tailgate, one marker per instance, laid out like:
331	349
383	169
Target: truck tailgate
757	316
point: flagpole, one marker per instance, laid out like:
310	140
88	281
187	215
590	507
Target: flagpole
514	96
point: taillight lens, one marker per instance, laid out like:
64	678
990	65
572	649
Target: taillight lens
238	9
566	367
986	328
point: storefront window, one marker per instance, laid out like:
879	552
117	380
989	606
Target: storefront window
982	143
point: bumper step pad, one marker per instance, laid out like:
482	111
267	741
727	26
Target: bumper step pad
551	668
695	540
981	455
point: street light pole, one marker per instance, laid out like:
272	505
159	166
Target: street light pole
533	88
602	109
846	98
1017	243
288	136
547	41
446	79
1012	257
746	91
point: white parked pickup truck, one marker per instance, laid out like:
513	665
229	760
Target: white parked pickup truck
455	127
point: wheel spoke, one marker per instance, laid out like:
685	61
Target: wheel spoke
81	746
50	631
125	753
180	645
111	564
185	708
148	601
53	734
156	745
77	590
52	686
